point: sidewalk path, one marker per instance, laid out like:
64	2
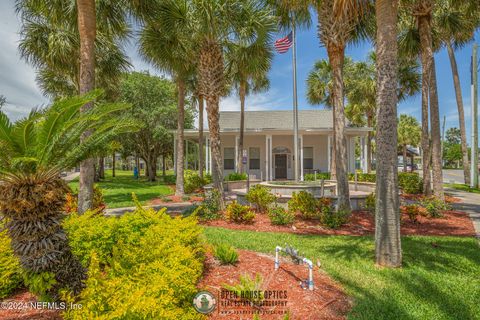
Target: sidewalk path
470	204
171	208
71	176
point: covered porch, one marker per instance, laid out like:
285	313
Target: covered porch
269	154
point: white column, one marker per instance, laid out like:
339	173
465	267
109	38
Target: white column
237	140
351	154
175	155
267	159
301	157
186	154
365	154
270	147
209	156
329	152
206	154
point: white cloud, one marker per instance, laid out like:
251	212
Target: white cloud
17	79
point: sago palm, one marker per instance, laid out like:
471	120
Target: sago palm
32	195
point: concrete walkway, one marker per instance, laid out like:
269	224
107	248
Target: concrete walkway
171	208
470	204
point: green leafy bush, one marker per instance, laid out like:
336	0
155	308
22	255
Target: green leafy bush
235	212
226	254
305	203
236	176
10	269
248	285
319	176
148	269
413	211
260	197
332	218
434	206
192	181
363	177
370	202
39	283
210	208
280	216
170	179
410	182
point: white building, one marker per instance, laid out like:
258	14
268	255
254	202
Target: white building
268	143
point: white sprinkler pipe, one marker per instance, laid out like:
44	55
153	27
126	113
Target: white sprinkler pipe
305	260
310	273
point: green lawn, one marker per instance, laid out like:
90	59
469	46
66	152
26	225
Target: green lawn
117	191
439	281
462	187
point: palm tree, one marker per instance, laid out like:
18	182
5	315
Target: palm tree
32	194
248	65
362	91
320	91
170	49
337	28
456	22
388	250
50	36
422	42
213	24
409	133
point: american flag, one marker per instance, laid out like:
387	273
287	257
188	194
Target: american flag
282	45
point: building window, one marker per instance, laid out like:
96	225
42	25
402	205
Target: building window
229	158
308	158
254	158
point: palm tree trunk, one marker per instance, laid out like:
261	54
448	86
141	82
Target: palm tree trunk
425	141
214	128
437	165
201	159
164	169
336	55
113	164
242	94
461	112
388	251
333	158
101	168
179	191
87	31
404	148
369	143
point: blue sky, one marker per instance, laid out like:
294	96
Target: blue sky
17	79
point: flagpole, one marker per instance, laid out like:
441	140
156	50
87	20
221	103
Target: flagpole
295	101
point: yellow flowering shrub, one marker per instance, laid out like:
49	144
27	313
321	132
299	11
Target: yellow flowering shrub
10	270
147	268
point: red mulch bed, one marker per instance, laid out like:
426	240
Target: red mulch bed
24	298
326	301
454	223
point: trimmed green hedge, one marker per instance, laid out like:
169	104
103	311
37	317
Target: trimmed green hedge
409	182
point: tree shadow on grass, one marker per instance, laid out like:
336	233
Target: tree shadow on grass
441	254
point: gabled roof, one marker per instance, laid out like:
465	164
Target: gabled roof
276	120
